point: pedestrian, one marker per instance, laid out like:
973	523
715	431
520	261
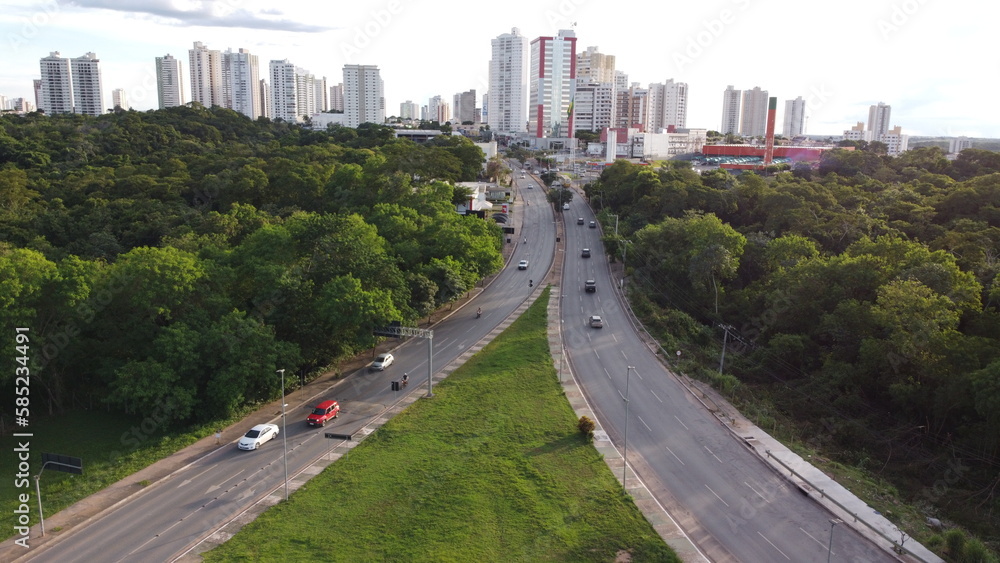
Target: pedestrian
218	436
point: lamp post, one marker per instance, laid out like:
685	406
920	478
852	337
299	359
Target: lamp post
284	435
829	550
625	446
624	256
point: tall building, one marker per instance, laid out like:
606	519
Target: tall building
753	118
119	100
36	85
857	133
169	84
794	119
895	141
305	93
508	86
265	99
959	144
434	109
552	76
594	66
284	101
465	107
409	110
594	106
337	97
56	85
667	106
731	111
322	94
240	83
878	119
206	75
364	97
632	108
71	85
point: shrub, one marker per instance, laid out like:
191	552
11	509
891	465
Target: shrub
586	427
955	540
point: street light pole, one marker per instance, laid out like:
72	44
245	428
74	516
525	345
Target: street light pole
284	435
625	446
829	550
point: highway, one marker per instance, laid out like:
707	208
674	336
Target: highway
168	518
729	502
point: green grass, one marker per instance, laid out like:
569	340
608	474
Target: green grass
112	446
491	469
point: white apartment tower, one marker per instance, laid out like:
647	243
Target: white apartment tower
667	106
56	95
169	84
508	87
88	92
284	102
594	106
337	97
240	83
322	94
465	106
409	110
878	119
959	144
552	83
895	141
434	109
206	75
364	95
731	111
753	121
305	93
794	118
119	100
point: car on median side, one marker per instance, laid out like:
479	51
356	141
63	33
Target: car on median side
596	321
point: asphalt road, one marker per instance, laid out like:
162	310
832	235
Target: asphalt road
731	504
168	518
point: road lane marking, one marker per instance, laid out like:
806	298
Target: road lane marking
595	351
186	481
615	338
675	455
774	546
607	372
720	498
817	541
644	423
713	454
655	395
758	494
682	424
624	355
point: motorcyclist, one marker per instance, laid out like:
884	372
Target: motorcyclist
479	312
406	378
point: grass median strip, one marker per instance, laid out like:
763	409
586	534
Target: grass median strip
492	468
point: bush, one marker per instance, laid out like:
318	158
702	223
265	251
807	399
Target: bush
955	540
586	427
976	552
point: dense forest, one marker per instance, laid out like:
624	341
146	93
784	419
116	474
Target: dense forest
860	297
171	261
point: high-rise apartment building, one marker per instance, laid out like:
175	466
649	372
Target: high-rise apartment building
206	75
337	97
465	107
632	108
959	144
731	111
667	106
878	119
264	91
322	94
305	93
508	86
71	85
594	66
753	118
552	82
895	141
794	118
56	85
119	100
364	97
240	83
169	83
409	110
284	99
434	109
594	106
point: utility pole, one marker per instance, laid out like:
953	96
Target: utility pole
722	360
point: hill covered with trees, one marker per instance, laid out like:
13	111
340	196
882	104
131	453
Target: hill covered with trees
858	300
170	261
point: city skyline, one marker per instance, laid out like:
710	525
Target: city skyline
913	55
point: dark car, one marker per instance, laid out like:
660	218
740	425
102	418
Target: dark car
593	224
585	253
590	286
579	221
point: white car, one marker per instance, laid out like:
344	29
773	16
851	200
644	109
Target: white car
257	436
522	265
381	362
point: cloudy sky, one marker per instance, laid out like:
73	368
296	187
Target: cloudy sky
934	62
